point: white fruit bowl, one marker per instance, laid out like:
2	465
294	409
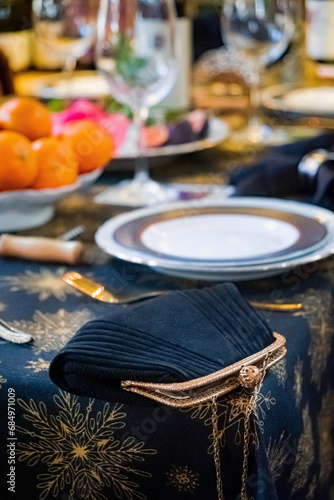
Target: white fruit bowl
28	208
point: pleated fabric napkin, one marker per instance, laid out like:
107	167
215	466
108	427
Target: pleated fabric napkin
275	174
174	337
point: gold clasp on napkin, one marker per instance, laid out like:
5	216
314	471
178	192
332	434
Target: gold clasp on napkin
246	373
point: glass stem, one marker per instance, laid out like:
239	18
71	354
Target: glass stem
255	94
69	67
141	167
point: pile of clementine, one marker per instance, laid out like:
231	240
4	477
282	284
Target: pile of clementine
31	157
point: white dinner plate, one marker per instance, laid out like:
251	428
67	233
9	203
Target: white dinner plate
238	238
317	101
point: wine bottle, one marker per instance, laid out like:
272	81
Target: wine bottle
319	36
180	8
15	32
15	15
179	97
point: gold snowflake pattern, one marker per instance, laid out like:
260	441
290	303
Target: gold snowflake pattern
79	450
3	307
46	283
200	411
325	430
38	366
304	454
182	478
52	331
280	371
2	380
317	308
231	414
264	403
298	381
278	451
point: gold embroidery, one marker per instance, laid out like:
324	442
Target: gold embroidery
280	371
45	284
304	454
278	451
78	447
52	331
298	383
264	404
3	307
317	308
182	478
231	414
38	366
200	411
325	430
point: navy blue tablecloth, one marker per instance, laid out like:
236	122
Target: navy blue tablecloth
69	447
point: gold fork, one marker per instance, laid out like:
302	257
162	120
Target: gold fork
99	292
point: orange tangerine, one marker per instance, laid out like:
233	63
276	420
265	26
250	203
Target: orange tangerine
18	167
26	116
92	144
56	163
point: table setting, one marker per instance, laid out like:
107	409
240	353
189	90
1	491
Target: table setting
177	346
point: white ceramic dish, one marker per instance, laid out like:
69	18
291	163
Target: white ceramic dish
92	85
318	101
218	132
89	84
150	237
28	208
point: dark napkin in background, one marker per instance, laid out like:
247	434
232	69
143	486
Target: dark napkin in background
175	337
275	174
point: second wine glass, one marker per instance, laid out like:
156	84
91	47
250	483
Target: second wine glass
66	28
258	32
135	51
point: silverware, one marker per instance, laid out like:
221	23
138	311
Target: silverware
277	307
12	334
99	292
72	233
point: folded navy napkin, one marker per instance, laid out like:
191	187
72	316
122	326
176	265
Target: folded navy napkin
275	174
175	337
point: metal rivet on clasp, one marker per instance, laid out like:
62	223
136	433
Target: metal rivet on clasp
249	376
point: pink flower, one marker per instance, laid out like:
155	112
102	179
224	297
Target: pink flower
117	124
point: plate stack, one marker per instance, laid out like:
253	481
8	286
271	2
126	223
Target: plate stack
235	239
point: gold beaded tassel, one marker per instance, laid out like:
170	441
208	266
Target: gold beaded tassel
216	450
250	378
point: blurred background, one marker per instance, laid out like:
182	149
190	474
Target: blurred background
211	78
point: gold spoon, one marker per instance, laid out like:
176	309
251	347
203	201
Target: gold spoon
99	292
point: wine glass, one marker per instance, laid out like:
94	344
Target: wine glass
258	32
135	51
66	27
